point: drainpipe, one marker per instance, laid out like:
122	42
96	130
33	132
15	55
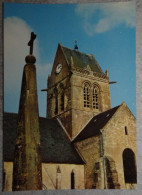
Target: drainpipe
103	157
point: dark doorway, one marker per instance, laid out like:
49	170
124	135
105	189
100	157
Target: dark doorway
129	165
72	180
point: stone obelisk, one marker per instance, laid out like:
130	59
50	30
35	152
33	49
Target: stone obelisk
27	173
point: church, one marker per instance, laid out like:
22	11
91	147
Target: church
84	143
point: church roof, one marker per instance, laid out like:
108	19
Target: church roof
82	60
96	123
55	145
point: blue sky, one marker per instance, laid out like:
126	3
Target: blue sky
106	30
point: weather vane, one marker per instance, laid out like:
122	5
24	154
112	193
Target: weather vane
31	42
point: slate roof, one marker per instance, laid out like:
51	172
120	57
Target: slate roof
81	60
96	123
55	145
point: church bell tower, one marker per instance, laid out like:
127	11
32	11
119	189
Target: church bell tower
77	90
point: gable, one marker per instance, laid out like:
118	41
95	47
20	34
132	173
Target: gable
95	124
55	145
123	118
60	58
98	122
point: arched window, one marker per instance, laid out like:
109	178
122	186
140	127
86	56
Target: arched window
72	180
95	99
58	179
56	100
130	174
62	101
86	93
126	130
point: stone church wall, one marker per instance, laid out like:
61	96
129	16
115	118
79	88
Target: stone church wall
115	140
77	82
51	177
8	169
80	114
56	77
61	82
89	149
54	176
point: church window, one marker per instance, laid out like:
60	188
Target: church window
126	131
56	101
72	180
62	101
95	100
86	92
129	166
58	179
56	106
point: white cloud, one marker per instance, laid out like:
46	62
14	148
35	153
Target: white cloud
112	15
44	69
16	36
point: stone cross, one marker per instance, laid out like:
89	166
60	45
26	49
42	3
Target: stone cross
30	43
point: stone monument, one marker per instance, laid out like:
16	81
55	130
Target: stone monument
27	173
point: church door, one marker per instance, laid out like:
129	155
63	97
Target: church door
129	165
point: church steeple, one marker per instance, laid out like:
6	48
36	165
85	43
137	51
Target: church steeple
27	164
85	90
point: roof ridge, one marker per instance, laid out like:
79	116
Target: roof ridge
77	51
108	110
